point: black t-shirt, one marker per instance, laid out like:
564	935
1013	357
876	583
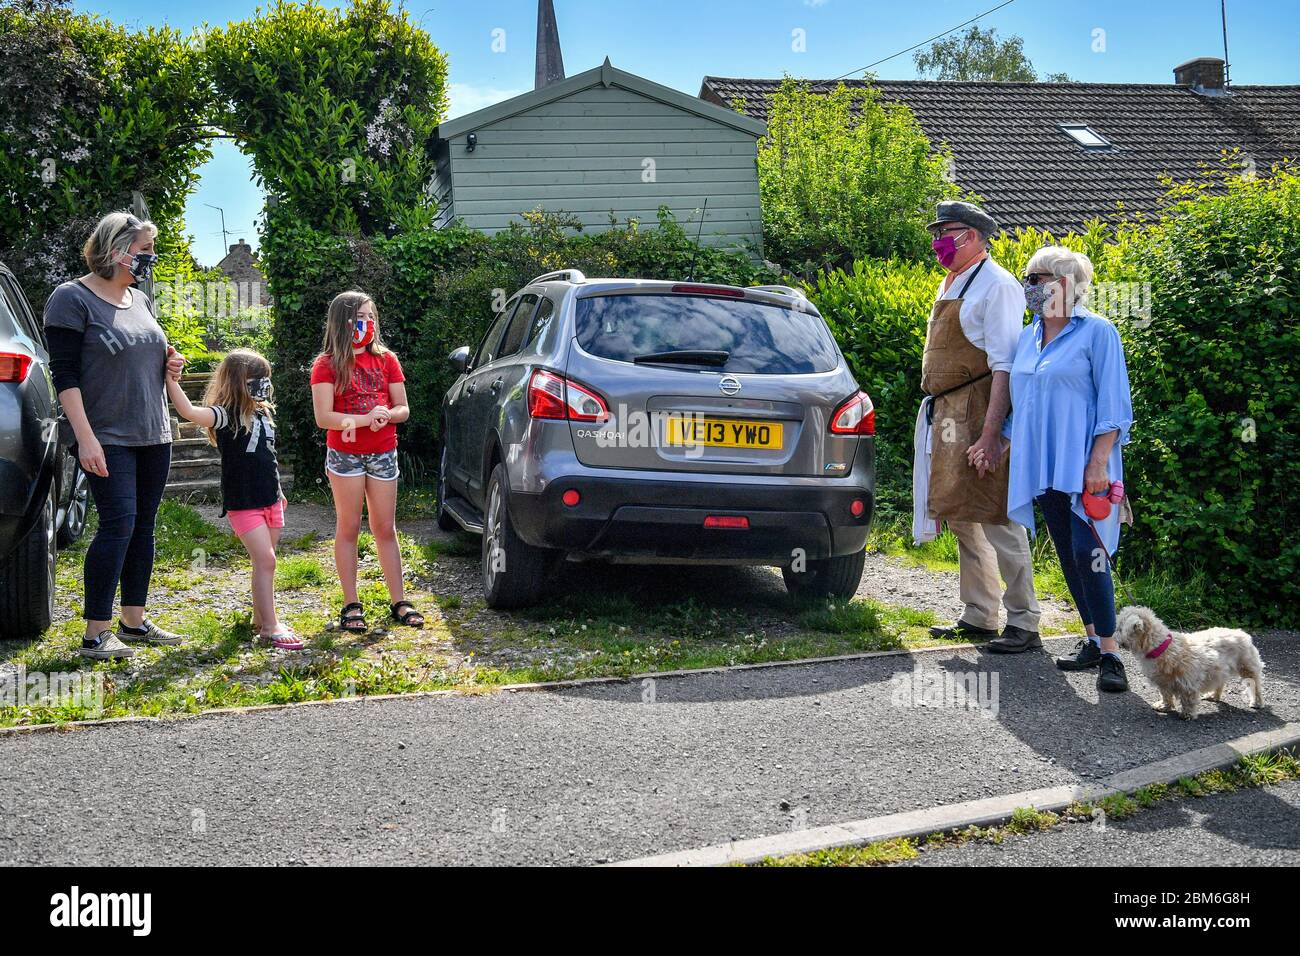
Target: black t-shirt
250	476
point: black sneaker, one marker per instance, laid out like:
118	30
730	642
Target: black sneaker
1086	654
1112	677
961	631
1014	640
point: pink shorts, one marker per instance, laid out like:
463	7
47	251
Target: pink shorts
244	521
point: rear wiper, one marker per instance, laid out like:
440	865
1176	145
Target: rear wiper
687	357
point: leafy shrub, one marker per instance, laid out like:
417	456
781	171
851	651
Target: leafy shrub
1215	375
845	176
336	108
89	113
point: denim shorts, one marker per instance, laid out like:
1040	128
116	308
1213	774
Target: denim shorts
381	465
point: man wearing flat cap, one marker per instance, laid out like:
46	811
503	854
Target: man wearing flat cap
960	460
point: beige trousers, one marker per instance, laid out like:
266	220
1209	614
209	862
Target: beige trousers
984	551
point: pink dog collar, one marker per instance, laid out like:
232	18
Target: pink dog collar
1162	648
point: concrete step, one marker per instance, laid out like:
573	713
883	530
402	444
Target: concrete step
194	470
193	449
194	384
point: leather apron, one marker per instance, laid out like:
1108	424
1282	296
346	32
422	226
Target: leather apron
956	376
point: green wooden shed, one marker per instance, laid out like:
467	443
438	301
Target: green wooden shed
601	142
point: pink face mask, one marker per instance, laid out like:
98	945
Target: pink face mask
945	248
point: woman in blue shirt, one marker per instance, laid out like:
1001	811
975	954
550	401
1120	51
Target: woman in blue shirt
1071	415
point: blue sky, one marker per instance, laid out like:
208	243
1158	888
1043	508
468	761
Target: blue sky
677	42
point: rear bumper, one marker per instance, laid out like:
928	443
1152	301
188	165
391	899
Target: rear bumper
648	519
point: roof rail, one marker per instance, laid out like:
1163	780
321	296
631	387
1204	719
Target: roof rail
570	275
780	290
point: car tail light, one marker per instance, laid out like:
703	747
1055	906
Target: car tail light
686	289
857	507
726	521
551	395
571	497
14	366
857	416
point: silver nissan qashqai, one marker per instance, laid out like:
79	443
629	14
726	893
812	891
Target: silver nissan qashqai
657	422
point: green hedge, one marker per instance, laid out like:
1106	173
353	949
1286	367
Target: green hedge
435	291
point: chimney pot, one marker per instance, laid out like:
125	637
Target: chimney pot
1202	73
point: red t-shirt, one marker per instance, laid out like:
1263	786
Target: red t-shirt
371	376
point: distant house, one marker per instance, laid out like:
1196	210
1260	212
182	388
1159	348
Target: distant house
1055	155
603	143
240	266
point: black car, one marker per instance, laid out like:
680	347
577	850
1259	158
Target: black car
43	492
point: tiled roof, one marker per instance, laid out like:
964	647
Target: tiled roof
1007	145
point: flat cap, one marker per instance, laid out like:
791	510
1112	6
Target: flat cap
964	212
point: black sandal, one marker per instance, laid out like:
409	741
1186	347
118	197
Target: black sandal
352	618
410	617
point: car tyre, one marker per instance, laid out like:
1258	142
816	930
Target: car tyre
836	577
445	520
27	580
514	572
74	519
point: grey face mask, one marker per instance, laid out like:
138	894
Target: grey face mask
259	389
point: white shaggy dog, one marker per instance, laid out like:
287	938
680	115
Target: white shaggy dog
1186	667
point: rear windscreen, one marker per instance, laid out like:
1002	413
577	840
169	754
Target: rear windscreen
767	339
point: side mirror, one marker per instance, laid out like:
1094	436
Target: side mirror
460	359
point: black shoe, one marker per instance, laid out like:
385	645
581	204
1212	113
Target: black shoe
1014	640
1086	654
961	631
1112	677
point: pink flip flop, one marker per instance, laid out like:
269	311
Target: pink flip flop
285	640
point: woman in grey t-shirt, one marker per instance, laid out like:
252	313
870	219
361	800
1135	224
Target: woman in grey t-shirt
108	356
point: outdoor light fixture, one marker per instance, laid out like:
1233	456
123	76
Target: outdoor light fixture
470	142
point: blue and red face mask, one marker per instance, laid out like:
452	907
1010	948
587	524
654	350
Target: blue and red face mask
363	333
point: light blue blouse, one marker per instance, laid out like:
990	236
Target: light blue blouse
1062	397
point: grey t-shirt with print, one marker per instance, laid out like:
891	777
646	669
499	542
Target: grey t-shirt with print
123	364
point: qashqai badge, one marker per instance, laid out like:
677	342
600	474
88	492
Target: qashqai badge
729	384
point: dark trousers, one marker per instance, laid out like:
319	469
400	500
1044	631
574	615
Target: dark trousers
127	501
1083	559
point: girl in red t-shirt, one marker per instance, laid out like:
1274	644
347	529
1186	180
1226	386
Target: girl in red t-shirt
358	395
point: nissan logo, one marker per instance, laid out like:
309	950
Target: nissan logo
729	384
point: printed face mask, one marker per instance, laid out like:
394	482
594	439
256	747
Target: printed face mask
1037	296
363	334
259	389
140	264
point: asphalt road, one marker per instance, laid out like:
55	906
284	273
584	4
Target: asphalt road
1259	827
586	775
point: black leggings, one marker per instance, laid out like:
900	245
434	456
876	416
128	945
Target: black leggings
127	501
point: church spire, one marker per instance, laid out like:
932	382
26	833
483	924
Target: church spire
550	63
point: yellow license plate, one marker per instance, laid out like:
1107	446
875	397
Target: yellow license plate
696	430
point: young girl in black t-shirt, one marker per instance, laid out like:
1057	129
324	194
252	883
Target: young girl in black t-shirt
236	411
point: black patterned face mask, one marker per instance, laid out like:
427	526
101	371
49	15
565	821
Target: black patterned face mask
259	389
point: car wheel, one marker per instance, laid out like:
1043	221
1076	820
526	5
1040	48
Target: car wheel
829	577
27	581
514	572
445	521
74	519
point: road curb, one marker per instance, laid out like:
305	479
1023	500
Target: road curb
986	812
74	725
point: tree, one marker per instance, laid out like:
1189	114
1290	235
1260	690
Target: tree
979	55
843	175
